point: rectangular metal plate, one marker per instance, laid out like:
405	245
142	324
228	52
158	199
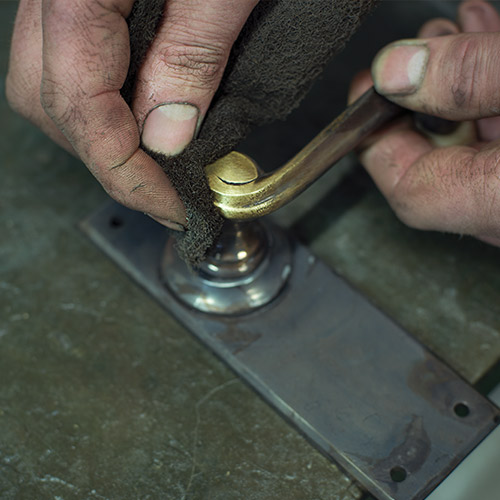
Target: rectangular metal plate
364	391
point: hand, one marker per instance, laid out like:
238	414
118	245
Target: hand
452	71
69	86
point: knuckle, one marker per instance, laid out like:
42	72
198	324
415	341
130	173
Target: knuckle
49	100
199	66
405	209
488	188
50	95
47	97
59	13
413	193
404	212
15	98
21	92
56	103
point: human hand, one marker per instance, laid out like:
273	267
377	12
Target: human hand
451	71
69	61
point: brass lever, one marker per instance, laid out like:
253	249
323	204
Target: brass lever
240	192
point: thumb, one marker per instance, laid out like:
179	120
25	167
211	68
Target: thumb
183	69
454	77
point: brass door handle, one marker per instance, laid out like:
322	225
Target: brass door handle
241	192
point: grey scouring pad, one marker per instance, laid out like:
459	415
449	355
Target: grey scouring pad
282	49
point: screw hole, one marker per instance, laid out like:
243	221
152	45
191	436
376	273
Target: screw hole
496	419
116	221
398	474
461	410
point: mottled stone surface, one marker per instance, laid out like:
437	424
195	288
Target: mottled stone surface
104	396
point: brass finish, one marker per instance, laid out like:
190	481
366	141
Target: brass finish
240	193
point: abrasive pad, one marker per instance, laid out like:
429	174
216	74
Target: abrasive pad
282	49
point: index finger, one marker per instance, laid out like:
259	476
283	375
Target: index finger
85	63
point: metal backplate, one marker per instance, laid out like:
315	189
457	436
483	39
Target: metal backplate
364	391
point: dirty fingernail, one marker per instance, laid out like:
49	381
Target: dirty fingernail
400	68
168	223
169	128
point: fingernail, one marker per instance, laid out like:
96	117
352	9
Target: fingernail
169	128
400	68
168	223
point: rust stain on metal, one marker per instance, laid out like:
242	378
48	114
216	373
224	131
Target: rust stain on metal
433	382
236	339
410	454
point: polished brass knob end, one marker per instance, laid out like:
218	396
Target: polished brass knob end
241	193
234	168
228	178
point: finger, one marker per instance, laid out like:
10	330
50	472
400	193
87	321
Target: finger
22	85
440	131
479	16
491	240
450	189
85	51
454	77
359	85
361	82
476	16
183	69
438	27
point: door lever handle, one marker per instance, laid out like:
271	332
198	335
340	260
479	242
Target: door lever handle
241	192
